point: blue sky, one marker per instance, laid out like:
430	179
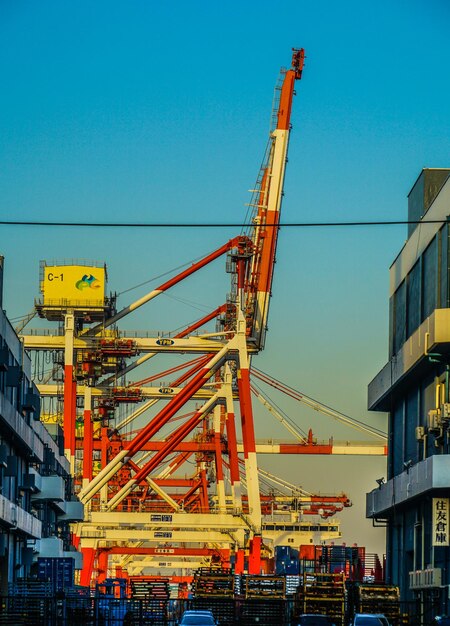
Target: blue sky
141	111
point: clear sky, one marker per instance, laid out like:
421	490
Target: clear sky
143	110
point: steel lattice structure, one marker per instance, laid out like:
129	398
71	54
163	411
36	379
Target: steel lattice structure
134	499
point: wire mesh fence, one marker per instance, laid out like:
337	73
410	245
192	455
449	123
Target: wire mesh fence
62	610
82	611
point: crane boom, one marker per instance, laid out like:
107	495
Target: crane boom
267	204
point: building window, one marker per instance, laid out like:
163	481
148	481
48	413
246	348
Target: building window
413	300
397	439
444	267
429	279
411	421
399	317
424	289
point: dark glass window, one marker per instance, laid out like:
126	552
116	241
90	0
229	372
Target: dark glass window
413	300
397	446
409	520
394	549
399	317
418	529
429	279
443	279
391	327
411	421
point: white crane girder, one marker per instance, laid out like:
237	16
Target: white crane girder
169	521
160	392
142	344
135	567
91	538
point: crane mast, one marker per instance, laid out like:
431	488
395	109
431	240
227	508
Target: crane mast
266	204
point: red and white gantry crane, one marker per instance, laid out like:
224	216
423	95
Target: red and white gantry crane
129	482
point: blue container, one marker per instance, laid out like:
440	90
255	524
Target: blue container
286	561
59	571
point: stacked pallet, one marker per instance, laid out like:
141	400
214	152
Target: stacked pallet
259	587
292	583
150	599
154	589
375	598
322	593
213	582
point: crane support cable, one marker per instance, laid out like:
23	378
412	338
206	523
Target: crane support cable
276	412
161	375
284	483
25	320
167	273
226	247
281	481
318	406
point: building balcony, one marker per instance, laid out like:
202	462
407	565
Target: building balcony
50	547
15	518
412	361
45	436
74	512
432	474
53	547
52	488
25	436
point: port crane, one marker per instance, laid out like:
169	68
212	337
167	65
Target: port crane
126	481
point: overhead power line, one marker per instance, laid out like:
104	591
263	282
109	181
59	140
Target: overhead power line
214	224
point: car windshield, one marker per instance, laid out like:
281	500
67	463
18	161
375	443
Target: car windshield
197	620
371	620
314	620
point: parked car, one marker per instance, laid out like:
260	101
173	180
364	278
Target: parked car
198	618
441	620
370	619
314	619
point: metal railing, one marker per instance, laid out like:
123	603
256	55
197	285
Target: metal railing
65	609
80	607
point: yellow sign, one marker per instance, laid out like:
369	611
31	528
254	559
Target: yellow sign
440	526
73	285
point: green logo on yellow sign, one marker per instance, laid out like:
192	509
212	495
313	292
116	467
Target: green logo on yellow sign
88	281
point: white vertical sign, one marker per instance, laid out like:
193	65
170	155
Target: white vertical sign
440	522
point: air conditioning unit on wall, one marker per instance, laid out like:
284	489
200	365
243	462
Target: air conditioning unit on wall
434	420
429	578
420	433
432	577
